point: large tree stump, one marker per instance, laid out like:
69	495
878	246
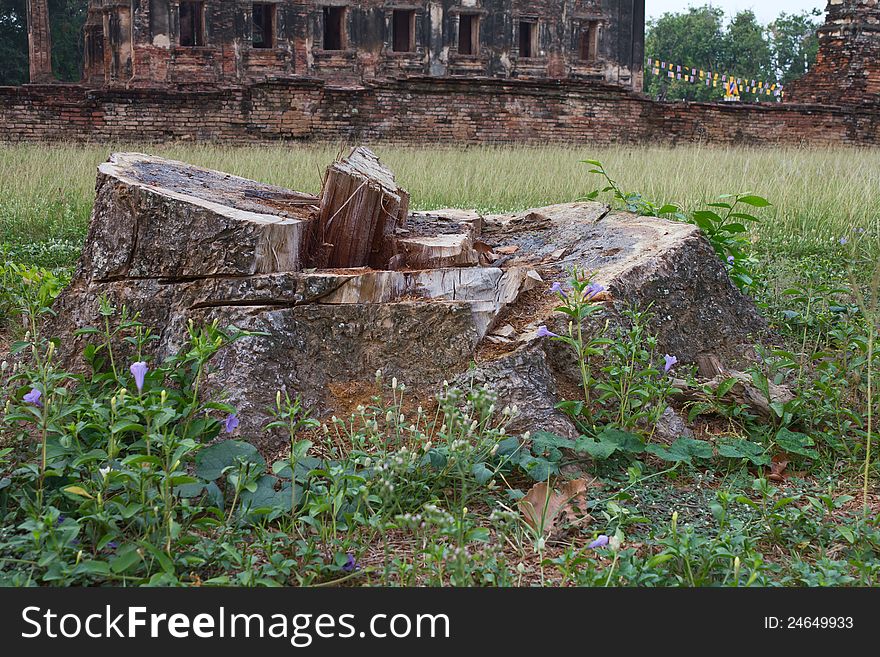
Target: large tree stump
361	206
176	243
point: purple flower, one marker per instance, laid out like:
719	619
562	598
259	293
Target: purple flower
843	241
112	545
230	423
670	361
730	259
593	289
601	541
139	371
33	397
556	288
544	332
350	564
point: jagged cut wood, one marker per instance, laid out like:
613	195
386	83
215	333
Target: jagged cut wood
441	238
361	207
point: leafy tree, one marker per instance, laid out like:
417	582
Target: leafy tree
13	42
66	19
746	49
794	43
700	39
694	38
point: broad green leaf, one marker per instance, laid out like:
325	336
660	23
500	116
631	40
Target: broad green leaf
211	461
754	201
624	440
794	442
482	473
598	449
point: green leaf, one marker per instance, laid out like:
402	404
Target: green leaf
537	468
508	446
738	448
598	449
126	557
624	440
263	495
668	454
164	560
754	201
847	533
304	467
700	449
482	473
92	567
725	386
211	461
549	444
683	450
794	442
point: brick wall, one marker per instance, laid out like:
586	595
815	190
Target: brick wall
421	110
847	68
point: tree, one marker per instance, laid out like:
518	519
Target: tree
693	38
746	48
66	20
13	42
699	39
794	43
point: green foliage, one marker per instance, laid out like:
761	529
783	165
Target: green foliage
66	20
794	43
105	484
724	222
703	38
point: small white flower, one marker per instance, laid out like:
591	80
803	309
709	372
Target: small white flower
104	471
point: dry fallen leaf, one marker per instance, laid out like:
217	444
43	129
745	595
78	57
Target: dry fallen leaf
777	468
542	507
507	250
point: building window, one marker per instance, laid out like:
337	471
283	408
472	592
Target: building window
95	47
263	25
334	28
403	27
588	43
468	34
192	23
528	38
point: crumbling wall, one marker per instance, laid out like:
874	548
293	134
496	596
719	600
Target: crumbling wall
417	110
847	68
353	40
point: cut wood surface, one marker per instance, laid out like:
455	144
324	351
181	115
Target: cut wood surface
361	207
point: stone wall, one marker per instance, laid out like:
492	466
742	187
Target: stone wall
416	110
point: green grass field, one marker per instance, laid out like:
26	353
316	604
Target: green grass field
46	192
84	504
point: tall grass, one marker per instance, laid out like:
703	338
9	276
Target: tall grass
46	191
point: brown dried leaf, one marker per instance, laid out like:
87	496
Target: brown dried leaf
777	468
507	250
542	507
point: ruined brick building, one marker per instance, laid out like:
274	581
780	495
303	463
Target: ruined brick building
182	42
847	68
415	71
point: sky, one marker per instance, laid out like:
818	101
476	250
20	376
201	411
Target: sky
765	10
